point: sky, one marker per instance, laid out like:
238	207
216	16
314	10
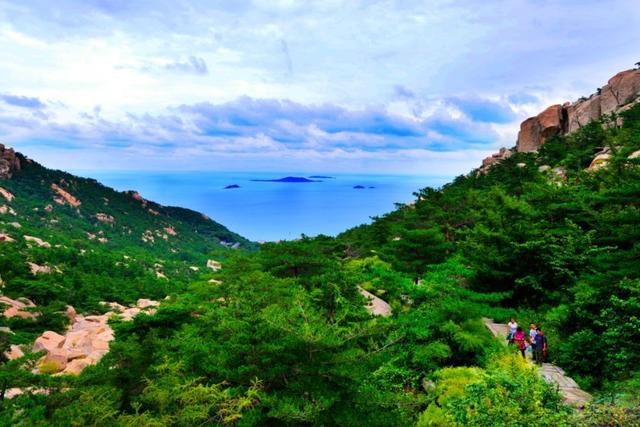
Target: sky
403	87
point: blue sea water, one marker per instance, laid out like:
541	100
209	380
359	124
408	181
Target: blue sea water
268	211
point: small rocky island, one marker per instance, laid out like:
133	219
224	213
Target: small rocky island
291	179
232	186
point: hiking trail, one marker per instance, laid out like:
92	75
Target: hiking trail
552	374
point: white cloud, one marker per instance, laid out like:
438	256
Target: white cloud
450	67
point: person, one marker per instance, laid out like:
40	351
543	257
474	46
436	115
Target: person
512	329
541	346
519	338
532	340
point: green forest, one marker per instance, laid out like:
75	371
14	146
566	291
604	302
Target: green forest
281	334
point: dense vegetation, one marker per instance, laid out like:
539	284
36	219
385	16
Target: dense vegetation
283	336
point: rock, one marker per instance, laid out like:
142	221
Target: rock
9	162
104	218
194	268
544	168
215	282
154	213
76	366
160	275
376	306
170	231
143	303
621	89
65	197
213	265
7	196
70	312
488	162
521	165
4	209
48	341
17	308
535	130
39	269
634	155
582	113
6	238
37	241
601	160
14	352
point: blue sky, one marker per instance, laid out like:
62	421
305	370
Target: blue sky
338	86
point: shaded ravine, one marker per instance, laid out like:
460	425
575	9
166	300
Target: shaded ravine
551	373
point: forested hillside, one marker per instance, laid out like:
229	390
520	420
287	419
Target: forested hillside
282	335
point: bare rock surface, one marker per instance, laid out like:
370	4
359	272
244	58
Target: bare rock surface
87	339
64	197
18	308
376	306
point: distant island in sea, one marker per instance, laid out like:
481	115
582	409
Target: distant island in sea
321	177
232	186
292	179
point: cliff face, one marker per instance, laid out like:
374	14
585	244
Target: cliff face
621	90
9	162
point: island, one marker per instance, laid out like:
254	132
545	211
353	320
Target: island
359	187
322	177
291	179
229	187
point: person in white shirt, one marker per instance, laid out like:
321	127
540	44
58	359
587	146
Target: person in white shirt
532	340
512	329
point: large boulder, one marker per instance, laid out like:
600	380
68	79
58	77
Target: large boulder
583	112
621	89
48	342
535	130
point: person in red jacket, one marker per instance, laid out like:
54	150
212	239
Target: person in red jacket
520	339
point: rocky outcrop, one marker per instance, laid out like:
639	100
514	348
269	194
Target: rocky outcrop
9	162
600	160
104	218
375	306
38	241
504	153
18	308
64	197
7	196
39	269
621	90
87	340
213	265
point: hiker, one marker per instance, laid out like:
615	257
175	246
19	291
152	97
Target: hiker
532	340
541	347
512	330
519	338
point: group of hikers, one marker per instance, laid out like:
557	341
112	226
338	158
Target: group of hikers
536	342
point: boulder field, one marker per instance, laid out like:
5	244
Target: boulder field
84	343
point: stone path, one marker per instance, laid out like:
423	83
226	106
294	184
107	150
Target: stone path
552	374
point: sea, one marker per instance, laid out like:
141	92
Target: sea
272	211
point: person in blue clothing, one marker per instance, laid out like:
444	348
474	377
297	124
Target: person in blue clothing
540	347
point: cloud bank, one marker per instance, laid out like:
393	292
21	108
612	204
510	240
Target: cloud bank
405	87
